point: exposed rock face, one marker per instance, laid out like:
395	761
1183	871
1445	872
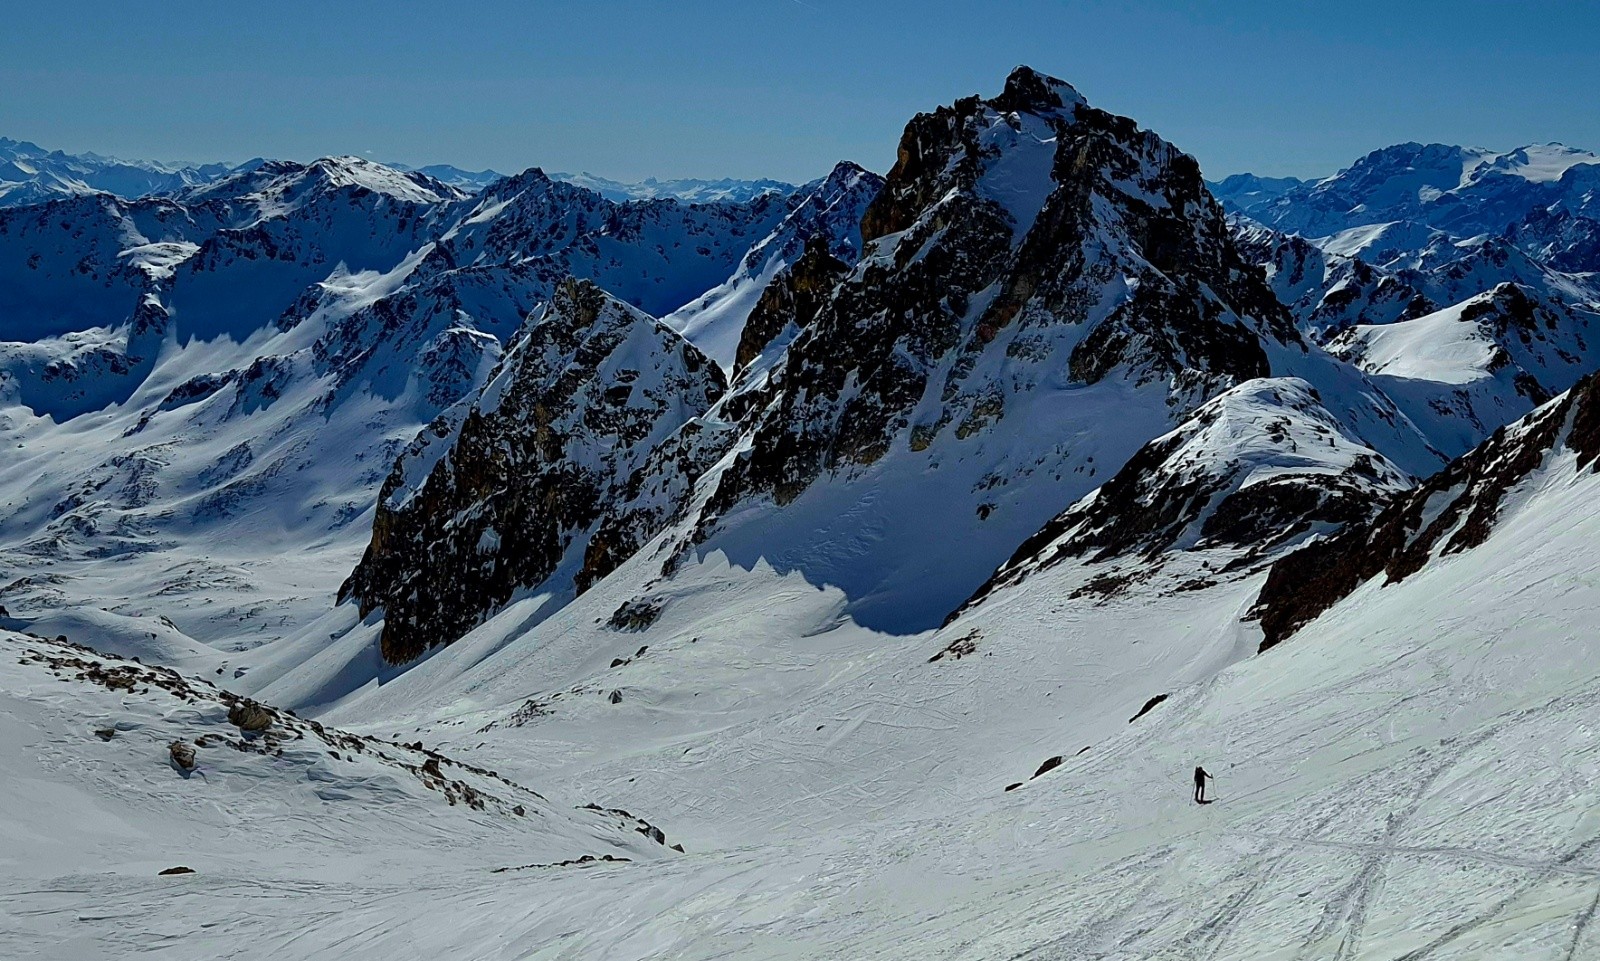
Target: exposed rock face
1453	511
509	488
826	214
790	302
1262	466
1012	234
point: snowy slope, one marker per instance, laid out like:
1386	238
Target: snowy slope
97	798
841	797
1479	364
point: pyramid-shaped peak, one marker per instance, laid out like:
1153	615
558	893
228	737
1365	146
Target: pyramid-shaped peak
1029	91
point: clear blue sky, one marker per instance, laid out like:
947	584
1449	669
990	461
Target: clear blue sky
782	88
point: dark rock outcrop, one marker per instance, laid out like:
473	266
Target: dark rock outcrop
1256	469
247	715
1030	227
791	301
515	489
1453	511
182	755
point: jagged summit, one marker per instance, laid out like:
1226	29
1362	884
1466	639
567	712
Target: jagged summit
1026	254
507	490
1029	91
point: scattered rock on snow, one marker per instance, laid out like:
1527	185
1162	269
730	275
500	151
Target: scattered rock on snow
1147	706
247	715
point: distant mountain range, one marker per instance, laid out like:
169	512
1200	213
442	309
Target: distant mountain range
1394	203
31	174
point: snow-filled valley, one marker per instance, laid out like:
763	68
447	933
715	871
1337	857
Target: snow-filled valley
433	563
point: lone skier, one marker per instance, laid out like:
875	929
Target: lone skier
1200	777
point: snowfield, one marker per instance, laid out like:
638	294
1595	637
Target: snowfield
1415	772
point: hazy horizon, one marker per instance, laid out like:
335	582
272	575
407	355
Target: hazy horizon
785	89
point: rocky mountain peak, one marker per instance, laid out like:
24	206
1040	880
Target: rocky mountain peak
1017	249
1029	91
505	491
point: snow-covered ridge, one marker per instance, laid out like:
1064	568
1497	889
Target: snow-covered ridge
30	174
1454	511
586	391
1257	469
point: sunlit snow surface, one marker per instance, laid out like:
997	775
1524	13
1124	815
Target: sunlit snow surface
1416	771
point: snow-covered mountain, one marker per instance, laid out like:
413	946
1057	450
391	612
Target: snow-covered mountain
1010	300
30	174
1327	292
1396	202
506	491
894	547
470	181
1489	359
1244	193
242	363
1466	191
